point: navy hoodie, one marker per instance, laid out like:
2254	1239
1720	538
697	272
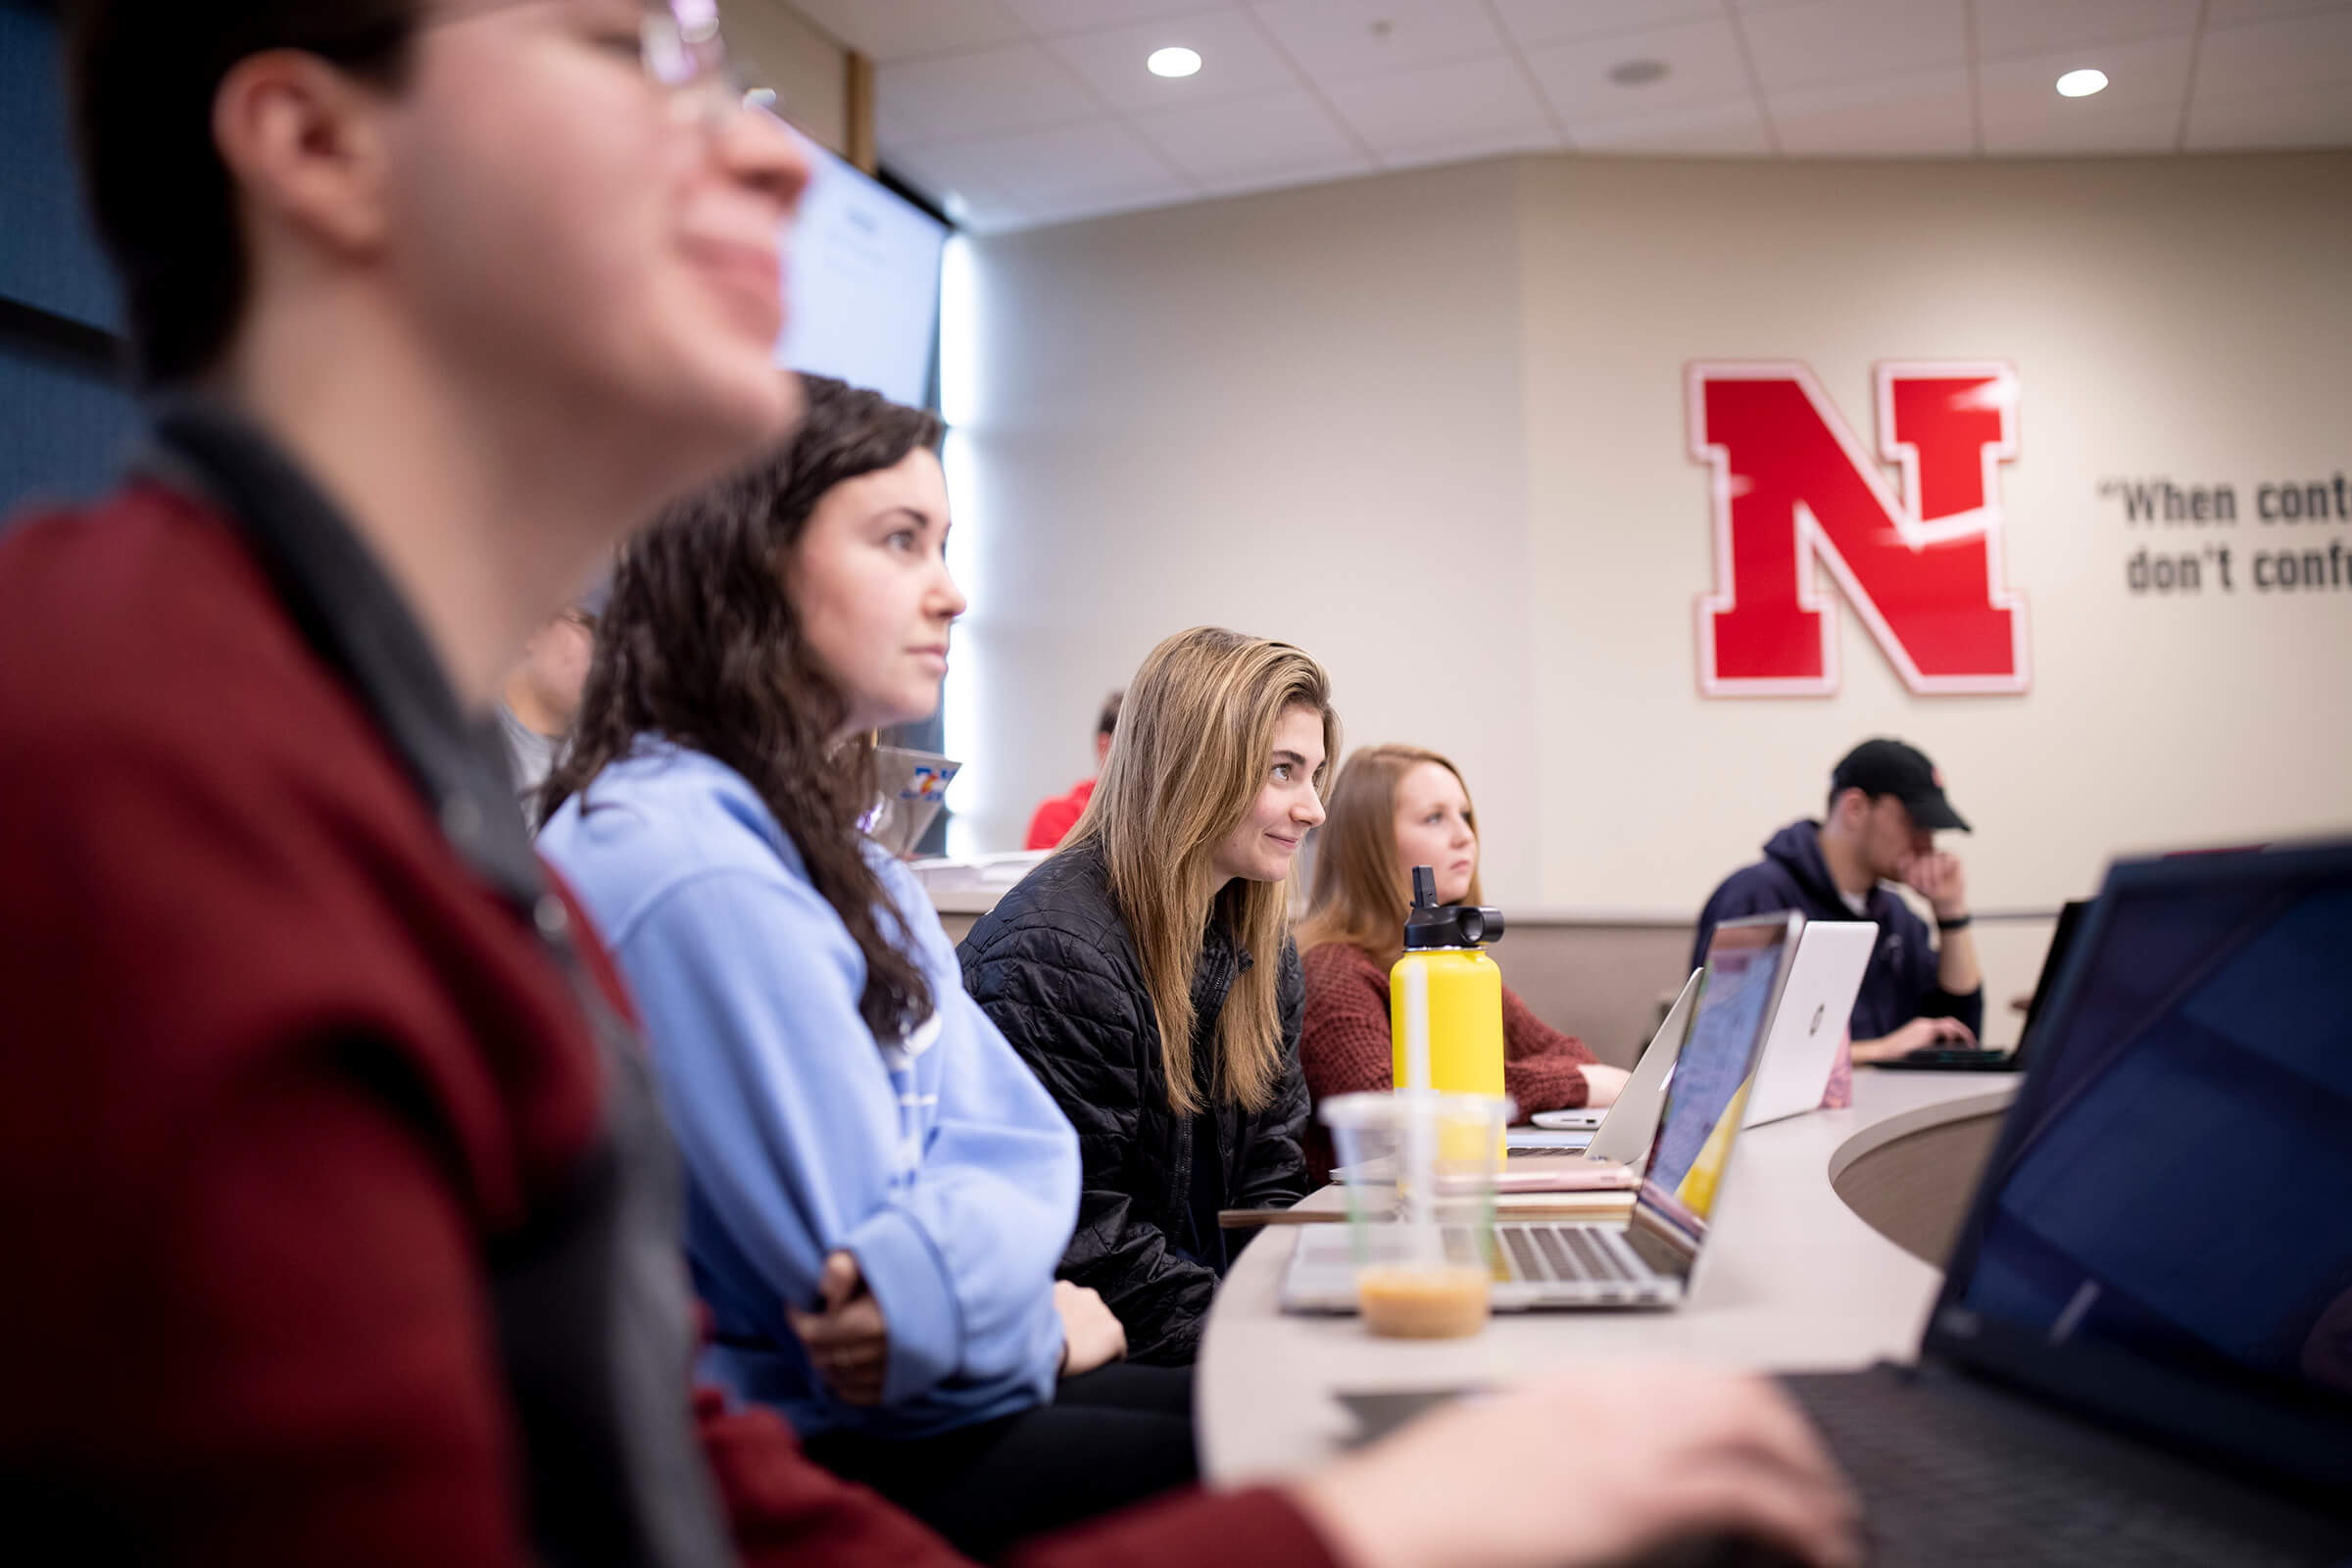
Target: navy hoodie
1899	985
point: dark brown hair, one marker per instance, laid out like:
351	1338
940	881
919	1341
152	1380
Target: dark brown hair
142	76
700	645
1362	889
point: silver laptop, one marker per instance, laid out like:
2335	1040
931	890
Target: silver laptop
1621	1131
1650	1260
1801	1051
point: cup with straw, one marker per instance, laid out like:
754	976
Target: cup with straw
1419	1167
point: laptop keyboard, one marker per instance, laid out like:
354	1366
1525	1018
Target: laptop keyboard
1943	1482
1546	1253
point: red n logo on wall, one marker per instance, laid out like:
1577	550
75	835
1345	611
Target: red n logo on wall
1793	489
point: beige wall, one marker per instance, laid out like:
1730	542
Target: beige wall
1223	414
781	49
2190	316
1430	426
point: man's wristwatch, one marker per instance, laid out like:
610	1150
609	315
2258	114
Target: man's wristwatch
1958	922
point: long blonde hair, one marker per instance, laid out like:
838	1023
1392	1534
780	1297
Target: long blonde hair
1362	889
1195	740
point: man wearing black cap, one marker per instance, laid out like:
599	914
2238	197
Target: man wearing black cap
1886	803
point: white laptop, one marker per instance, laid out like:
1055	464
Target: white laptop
1801	1051
1621	1131
1651	1260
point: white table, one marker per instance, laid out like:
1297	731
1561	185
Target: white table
1792	1281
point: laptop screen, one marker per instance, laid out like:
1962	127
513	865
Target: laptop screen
2166	1229
2053	965
1747	962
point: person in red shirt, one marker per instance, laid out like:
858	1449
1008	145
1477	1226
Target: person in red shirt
1054	818
1394	807
343	1225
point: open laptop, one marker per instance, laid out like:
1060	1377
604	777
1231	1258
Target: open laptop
1621	1130
1808	1029
1979	1058
2142	1352
1650	1260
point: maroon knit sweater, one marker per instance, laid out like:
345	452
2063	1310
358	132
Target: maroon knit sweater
1346	1045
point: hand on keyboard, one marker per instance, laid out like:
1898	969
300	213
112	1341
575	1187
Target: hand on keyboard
1935	1054
1917	1035
1661	1455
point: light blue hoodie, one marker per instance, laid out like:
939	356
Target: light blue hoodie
939	1161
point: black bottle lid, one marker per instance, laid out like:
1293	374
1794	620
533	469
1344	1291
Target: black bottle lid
1432	924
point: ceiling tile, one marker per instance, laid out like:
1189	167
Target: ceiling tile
1734	130
1010	124
1703	67
956	175
1470	149
2143	78
2006	28
1825	42
2303	116
991	220
1338	41
1252	139
2261	57
906	29
2021	111
890	129
1047	17
1095	166
1895	117
1535	23
963	96
1468	110
1235	58
1349	167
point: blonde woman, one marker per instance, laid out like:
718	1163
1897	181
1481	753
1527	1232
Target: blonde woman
1392	808
1145	972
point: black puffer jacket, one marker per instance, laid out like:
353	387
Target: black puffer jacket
1053	965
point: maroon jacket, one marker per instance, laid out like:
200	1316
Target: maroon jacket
1346	1045
303	1126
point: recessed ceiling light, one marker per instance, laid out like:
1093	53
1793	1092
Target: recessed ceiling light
2082	83
1173	62
1636	73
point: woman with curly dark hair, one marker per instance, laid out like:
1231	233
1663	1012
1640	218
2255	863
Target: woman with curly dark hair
879	1189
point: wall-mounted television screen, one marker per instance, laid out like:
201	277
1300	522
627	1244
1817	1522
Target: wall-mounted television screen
862	293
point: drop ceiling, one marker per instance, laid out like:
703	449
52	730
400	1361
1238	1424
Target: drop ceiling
1017	113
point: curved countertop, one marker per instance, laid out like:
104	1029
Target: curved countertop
1793	1280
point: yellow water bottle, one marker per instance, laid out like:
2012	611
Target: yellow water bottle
1444	972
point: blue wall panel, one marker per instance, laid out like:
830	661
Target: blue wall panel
63	429
48	259
65	416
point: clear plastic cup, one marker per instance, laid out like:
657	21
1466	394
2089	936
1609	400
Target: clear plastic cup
1424	1245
